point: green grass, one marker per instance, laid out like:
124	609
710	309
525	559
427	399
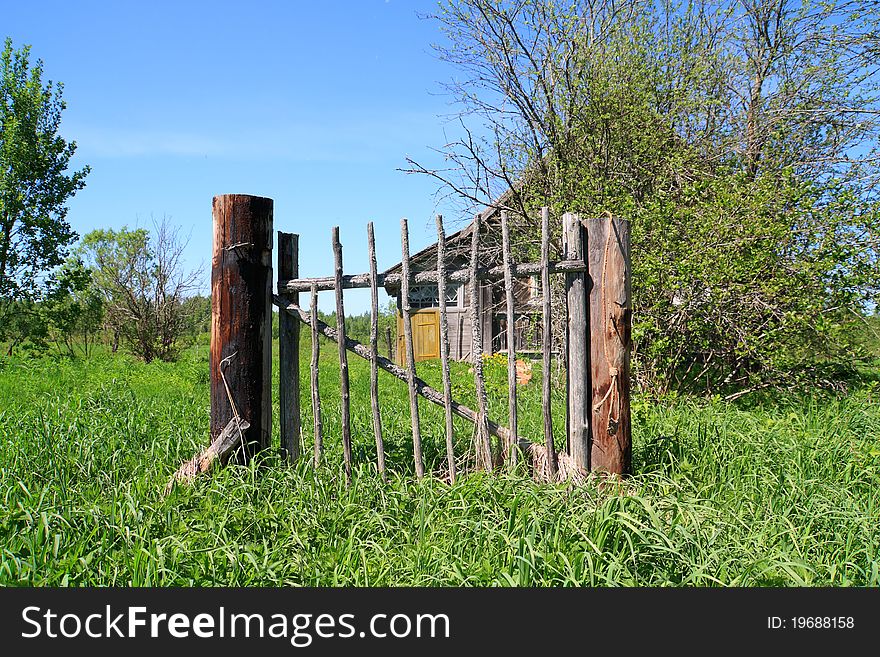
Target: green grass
775	491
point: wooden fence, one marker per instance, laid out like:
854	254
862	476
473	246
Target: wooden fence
596	270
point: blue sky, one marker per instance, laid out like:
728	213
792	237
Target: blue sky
314	104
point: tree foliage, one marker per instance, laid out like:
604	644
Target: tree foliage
67	319
145	287
34	185
739	138
74	310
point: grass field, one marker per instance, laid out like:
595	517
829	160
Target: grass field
778	490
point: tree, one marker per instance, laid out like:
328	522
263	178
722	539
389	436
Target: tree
68	315
739	138
198	308
145	287
73	310
34	185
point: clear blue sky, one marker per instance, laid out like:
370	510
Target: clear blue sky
314	104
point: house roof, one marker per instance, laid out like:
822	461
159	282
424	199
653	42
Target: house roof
457	243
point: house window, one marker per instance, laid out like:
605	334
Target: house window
427	296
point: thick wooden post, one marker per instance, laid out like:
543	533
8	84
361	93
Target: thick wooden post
241	317
288	351
577	334
610	323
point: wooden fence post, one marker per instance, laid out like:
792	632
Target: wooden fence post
241	317
344	387
410	352
510	448
313	373
577	334
610	329
444	347
374	353
546	342
288	351
484	444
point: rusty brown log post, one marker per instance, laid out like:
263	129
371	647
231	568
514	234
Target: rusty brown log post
288	352
577	335
610	323
241	318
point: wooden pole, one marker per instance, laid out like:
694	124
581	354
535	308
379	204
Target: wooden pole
241	318
484	445
578	340
410	353
547	340
610	323
316	393
344	393
288	352
444	347
374	353
511	337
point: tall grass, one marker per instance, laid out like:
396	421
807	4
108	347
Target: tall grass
782	491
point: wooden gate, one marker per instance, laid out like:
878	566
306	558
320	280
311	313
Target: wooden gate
595	265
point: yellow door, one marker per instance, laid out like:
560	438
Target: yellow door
426	335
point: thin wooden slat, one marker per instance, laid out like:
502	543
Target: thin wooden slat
353	281
410	355
578	344
484	446
374	353
511	336
288	353
316	394
610	319
444	347
547	342
343	357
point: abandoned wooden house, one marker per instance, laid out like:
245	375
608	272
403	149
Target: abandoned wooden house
424	300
